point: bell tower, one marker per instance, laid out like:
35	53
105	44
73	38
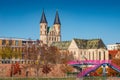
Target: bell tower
43	28
57	26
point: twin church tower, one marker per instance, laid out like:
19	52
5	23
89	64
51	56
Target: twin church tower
50	34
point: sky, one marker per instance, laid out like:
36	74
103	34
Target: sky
83	19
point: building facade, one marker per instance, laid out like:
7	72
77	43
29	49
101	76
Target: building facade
14	43
83	49
113	46
50	34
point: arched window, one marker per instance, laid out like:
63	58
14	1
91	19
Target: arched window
93	55
55	38
104	55
40	32
99	55
45	32
74	53
84	52
89	55
45	27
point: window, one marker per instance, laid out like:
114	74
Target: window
10	42
99	55
45	27
84	52
55	39
40	32
93	55
104	54
45	32
89	55
16	43
74	53
3	42
49	38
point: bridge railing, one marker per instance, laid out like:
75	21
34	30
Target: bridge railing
95	62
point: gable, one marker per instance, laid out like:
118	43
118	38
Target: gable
73	45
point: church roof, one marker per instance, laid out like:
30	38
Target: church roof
57	20
43	18
63	45
90	44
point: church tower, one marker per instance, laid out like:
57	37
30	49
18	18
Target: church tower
50	34
57	26
43	28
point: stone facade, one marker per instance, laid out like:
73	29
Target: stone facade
92	49
50	34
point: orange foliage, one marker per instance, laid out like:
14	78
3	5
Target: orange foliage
111	72
98	72
15	68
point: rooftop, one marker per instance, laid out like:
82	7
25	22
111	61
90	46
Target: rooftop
63	45
90	43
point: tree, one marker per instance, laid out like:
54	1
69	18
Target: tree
46	69
98	72
15	68
8	53
65	68
51	54
111	72
44	55
32	52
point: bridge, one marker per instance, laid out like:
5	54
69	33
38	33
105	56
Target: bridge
95	64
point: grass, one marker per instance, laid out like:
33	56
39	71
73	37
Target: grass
84	78
37	78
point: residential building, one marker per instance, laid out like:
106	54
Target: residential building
113	46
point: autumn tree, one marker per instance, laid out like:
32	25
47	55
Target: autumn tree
15	68
50	54
98	72
46	69
8	53
44	55
32	52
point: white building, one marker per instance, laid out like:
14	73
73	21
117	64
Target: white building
82	49
113	46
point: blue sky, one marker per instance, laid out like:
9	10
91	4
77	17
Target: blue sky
85	19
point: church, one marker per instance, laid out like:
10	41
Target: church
82	49
90	49
50	34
